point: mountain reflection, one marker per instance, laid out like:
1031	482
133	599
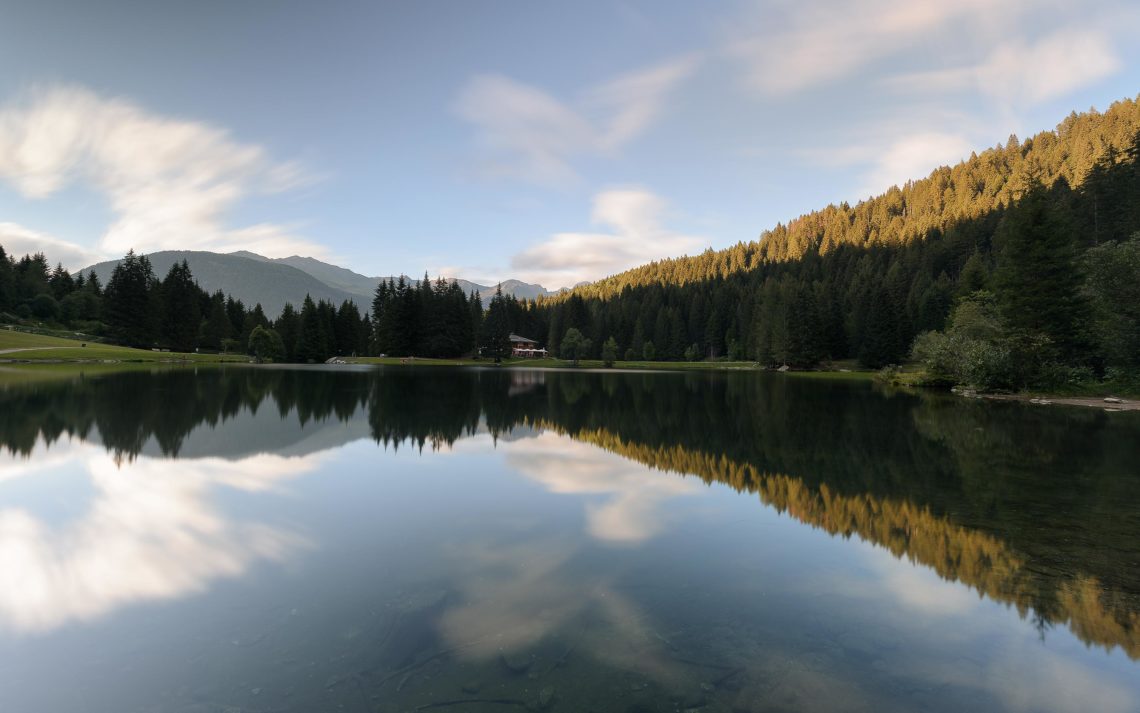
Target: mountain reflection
1030	507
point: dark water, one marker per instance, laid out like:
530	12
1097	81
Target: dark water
263	540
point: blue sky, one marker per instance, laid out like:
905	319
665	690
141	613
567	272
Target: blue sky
552	142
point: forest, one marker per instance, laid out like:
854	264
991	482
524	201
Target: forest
1023	258
1017	267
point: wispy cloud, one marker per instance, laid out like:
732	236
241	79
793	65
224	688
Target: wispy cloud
1023	73
18	240
523	132
636	236
168	182
913	156
795	46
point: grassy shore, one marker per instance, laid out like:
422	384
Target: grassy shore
20	347
551	363
23	347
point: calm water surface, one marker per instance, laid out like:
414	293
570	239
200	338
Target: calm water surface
270	540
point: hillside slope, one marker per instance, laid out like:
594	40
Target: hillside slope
927	208
1014	225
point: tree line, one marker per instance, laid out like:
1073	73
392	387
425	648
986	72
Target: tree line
136	308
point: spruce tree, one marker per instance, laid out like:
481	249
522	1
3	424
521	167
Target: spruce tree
131	305
1038	279
181	315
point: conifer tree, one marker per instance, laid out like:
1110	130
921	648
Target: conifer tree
131	306
1038	278
181	315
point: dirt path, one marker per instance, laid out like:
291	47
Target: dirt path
34	349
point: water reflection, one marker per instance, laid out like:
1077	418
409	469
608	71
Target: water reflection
148	532
629	510
958	511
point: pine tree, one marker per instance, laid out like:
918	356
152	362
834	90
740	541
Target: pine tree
312	344
497	328
181	315
131	307
216	329
288	326
1038	279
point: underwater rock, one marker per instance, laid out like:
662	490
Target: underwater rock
546	697
516	662
472	687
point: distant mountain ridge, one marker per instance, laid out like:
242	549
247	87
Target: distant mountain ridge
271	282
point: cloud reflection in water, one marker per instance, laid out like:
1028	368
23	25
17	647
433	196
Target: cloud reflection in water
151	532
631	512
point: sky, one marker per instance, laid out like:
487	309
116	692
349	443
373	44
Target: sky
549	142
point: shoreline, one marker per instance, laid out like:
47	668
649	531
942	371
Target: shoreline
1083	401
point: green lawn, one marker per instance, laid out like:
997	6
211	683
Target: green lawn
37	347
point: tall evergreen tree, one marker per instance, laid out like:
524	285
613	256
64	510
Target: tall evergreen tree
181	313
288	326
131	306
497	328
1038	277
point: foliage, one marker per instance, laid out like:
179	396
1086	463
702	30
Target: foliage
131	302
573	345
609	352
265	345
1113	289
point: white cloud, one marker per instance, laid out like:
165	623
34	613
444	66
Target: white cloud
168	182
637	237
1021	73
913	157
18	241
807	44
796	46
525	133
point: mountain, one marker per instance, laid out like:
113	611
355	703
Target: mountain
251	280
272	282
363	287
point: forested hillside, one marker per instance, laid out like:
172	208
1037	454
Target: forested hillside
865	280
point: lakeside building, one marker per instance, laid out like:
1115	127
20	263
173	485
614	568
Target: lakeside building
525	348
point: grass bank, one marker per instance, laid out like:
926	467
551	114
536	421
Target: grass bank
23	347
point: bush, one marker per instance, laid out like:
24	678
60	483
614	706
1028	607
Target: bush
609	352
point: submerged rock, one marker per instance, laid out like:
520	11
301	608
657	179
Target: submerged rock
546	697
516	662
472	687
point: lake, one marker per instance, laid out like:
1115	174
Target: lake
352	539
